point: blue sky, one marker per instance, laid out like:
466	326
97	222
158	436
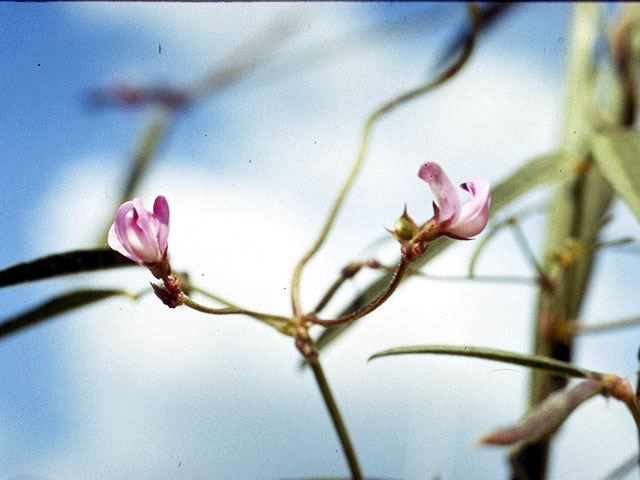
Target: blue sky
135	391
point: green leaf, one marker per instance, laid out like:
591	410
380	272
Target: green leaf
617	154
535	172
77	261
538	362
57	306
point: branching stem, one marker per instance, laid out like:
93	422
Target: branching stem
401	269
364	143
282	324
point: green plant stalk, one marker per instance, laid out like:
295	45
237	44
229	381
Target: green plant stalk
577	208
282	324
632	405
338	423
364	144
370	307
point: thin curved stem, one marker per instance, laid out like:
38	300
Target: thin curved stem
632	405
350	271
335	286
338	423
401	269
232	306
364	143
575	327
282	324
526	249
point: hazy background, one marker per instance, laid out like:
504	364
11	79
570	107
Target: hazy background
134	390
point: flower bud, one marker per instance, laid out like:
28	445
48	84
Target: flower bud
403	229
141	235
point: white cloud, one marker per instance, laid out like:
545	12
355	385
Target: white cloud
160	393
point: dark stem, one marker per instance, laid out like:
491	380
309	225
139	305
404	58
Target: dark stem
401	269
338	423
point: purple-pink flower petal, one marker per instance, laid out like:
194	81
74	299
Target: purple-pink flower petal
117	240
141	235
453	219
474	214
442	189
161	211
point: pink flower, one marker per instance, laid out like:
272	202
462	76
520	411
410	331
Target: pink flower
461	221
141	235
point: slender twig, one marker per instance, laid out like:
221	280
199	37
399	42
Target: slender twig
403	269
350	271
478	278
373	118
188	286
638	379
526	249
575	327
335	286
498	226
457	278
338	423
353	268
282	324
632	405
379	300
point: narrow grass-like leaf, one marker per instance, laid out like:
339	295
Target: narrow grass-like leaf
538	362
537	171
617	154
77	261
57	306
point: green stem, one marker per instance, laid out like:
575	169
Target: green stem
280	323
338	423
367	309
576	327
364	143
335	286
632	405
350	271
526	249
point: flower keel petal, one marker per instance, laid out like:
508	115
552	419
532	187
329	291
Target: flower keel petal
443	190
